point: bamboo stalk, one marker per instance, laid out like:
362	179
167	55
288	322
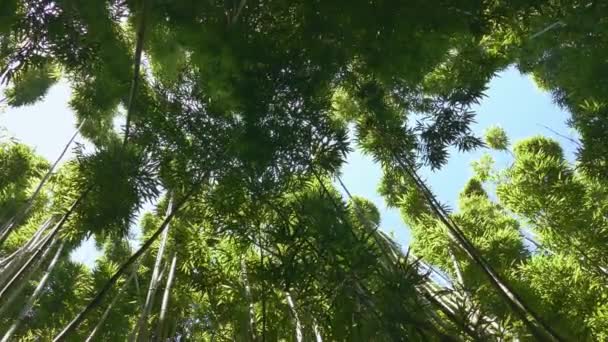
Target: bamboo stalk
137	332
139	46
249	297
296	317
12	223
315	328
105	314
19	260
523	311
98	298
165	301
32	299
21	285
391	248
40	249
29	246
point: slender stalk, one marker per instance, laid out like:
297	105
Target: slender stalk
139	46
523	311
9	259
249	297
263	295
33	243
105	314
43	246
449	312
142	334
315	328
12	223
153	280
21	285
29	246
457	270
32	299
165	302
393	251
296	317
548	28
137	289
18	260
125	266
574	141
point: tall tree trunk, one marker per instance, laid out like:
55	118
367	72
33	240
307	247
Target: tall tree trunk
105	314
296	317
125	266
139	334
9	226
32	299
161	330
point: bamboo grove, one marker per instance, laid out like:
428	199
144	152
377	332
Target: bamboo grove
237	117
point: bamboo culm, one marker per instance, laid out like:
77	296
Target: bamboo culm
161	332
32	299
43	246
14	222
138	332
16	259
249	297
296	317
28	246
21	285
112	303
122	270
512	299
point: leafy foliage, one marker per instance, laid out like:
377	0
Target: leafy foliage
496	138
243	111
125	175
30	86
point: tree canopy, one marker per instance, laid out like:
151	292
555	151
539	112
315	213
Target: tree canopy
238	116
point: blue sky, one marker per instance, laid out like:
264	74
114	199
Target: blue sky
513	102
